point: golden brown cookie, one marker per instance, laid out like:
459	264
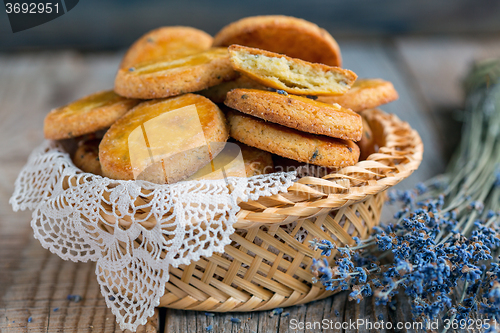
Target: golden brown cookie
294	37
163	140
166	41
293	75
298	112
86	157
364	94
86	115
171	77
217	94
304	147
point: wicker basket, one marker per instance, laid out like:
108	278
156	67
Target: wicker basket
268	263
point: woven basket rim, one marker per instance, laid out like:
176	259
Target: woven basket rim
398	157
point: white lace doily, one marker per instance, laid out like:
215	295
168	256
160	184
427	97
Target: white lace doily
133	229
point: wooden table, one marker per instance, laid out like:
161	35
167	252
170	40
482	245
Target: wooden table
35	283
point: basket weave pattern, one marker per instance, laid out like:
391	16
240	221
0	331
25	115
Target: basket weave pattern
268	262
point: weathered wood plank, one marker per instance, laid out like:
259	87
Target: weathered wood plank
438	66
296	315
335	311
42	283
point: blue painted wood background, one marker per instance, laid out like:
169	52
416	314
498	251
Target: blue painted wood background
114	24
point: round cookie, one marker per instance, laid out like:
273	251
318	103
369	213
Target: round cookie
290	143
86	157
166	41
294	37
86	115
174	76
292	75
364	94
164	140
298	112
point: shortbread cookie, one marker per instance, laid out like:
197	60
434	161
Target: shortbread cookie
304	147
217	94
364	94
290	74
171	77
86	115
298	112
164	140
294	37
86	157
166	42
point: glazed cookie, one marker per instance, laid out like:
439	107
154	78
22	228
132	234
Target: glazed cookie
164	140
166	41
290	143
86	157
294	37
175	76
364	94
86	115
217	94
290	74
298	112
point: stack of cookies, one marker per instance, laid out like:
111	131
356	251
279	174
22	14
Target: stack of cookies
272	83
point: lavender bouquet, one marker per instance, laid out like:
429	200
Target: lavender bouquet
442	249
